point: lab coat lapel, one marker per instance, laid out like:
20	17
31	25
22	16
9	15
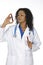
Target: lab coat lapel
26	33
18	35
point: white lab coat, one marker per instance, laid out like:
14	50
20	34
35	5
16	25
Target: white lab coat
18	51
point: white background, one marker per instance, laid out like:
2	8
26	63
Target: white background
11	6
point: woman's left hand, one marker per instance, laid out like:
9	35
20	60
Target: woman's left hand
29	43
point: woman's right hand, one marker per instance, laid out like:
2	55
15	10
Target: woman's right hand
7	20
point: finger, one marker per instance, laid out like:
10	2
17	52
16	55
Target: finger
12	17
9	16
11	22
27	38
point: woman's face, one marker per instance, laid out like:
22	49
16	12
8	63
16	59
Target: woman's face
21	16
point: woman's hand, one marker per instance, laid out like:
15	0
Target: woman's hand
7	20
29	43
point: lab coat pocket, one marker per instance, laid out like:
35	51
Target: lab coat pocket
28	58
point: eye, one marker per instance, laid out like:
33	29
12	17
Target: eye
21	15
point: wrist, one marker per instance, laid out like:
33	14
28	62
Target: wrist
3	25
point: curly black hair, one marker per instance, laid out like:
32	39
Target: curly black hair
29	17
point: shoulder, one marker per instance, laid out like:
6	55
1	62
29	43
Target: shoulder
11	27
35	31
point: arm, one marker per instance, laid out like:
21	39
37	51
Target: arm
36	41
35	44
2	28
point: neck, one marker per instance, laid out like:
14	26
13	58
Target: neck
23	26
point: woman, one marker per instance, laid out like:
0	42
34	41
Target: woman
22	38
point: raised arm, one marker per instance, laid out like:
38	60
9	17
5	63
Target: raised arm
2	27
